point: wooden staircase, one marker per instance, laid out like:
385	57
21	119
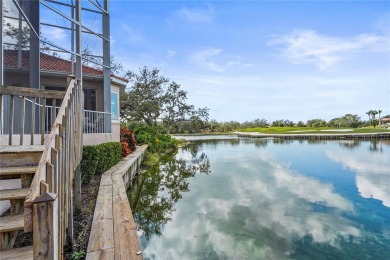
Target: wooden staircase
18	165
37	180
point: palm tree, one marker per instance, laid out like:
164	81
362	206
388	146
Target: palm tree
379	112
369	116
373	113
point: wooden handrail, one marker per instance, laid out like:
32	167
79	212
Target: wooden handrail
31	92
62	154
17	113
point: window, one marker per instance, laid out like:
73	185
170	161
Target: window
89	99
114	106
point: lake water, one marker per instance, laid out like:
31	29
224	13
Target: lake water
229	198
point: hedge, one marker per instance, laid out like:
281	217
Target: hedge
99	158
89	162
109	155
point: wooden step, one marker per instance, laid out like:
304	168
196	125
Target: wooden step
13	194
15	172
22	253
20	155
11	223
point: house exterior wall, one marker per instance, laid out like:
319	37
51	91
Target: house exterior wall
21	79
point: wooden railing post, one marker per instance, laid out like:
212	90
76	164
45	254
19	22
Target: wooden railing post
77	190
45	227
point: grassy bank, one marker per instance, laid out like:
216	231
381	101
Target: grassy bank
312	130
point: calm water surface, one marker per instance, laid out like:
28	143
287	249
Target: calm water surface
229	198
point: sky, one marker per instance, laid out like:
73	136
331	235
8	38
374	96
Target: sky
295	60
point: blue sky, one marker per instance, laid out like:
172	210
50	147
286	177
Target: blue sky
292	60
244	60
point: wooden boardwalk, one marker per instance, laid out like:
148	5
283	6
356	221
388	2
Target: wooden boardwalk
113	232
308	136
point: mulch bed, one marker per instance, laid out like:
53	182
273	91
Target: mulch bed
83	221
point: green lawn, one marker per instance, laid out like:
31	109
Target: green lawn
310	130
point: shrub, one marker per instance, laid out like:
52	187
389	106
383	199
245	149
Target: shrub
109	154
128	137
89	162
125	149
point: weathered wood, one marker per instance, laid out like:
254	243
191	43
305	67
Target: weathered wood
32	129
17	170
42	119
19	156
21	253
102	233
22	120
77	190
44	187
13	194
105	254
45	234
113	215
32	92
11	120
11	223
1	114
50	176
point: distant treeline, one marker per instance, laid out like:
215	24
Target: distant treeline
213	126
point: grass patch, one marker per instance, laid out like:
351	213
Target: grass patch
311	130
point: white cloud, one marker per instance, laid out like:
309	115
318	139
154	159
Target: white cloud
54	34
130	35
307	46
170	54
213	59
196	15
372	171
259	205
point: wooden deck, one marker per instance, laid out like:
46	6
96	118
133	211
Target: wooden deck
113	232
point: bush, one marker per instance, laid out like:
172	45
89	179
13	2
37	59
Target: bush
109	155
89	162
128	141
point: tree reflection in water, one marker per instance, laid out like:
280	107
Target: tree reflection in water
155	192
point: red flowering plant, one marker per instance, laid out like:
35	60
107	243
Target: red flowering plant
127	139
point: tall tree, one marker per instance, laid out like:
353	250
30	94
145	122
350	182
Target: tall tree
144	101
175	108
369	116
374	113
380	121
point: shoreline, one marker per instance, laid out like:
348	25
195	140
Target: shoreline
300	136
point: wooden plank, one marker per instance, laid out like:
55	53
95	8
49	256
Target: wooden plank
21	149
1	113
22	120
45	234
32	129
105	254
11	223
102	236
43	119
15	159
11	120
32	92
44	187
21	253
18	170
126	239
50	176
13	194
